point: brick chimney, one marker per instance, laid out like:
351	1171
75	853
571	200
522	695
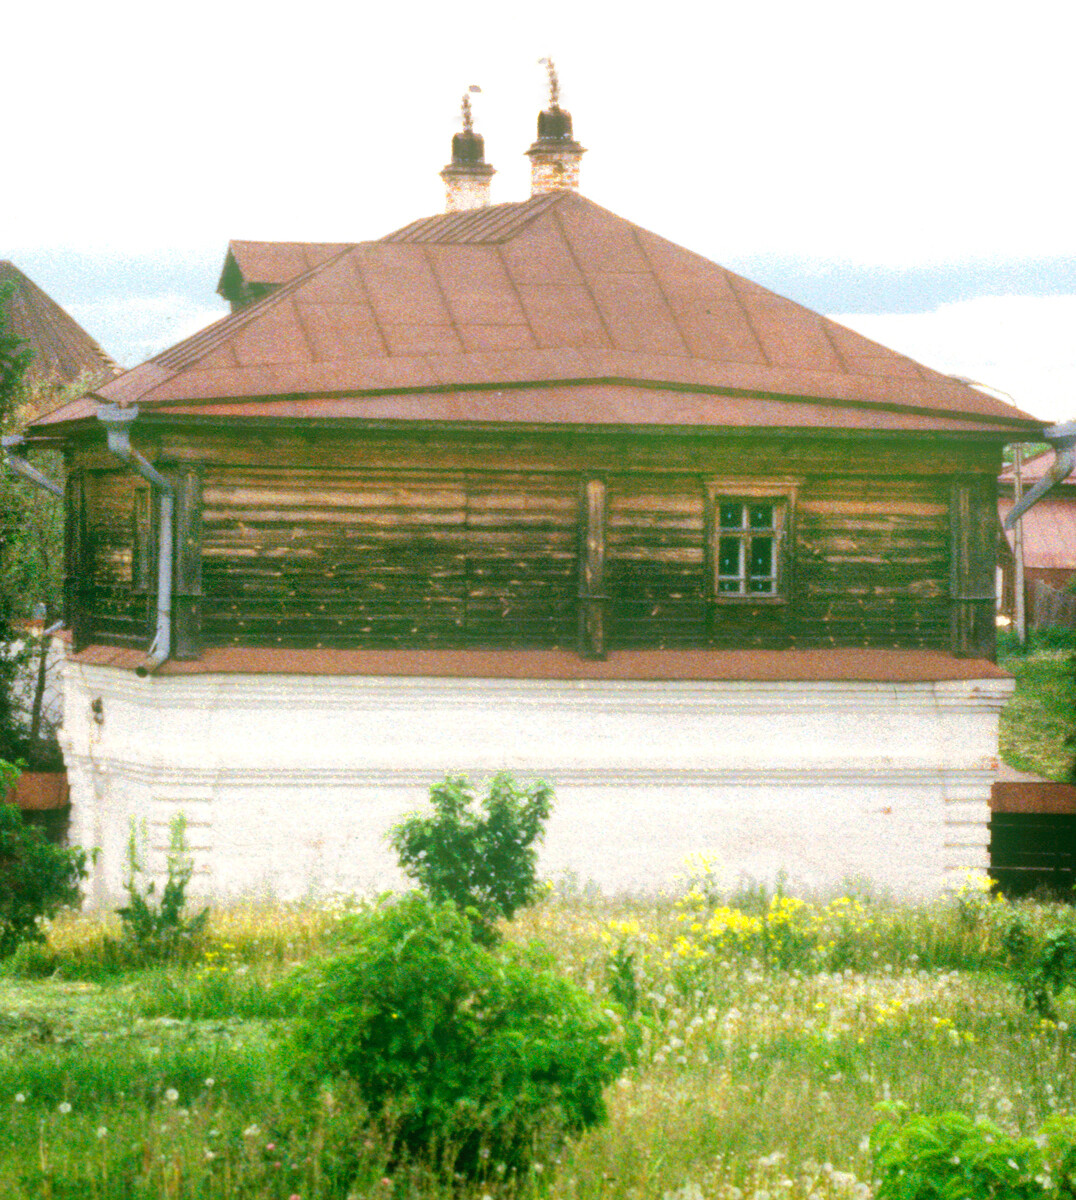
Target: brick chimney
556	155
468	175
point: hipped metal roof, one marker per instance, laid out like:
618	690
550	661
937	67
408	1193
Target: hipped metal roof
551	310
62	349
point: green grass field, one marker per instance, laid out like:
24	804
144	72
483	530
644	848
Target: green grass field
1042	712
767	1032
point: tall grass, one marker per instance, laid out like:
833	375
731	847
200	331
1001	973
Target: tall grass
764	1031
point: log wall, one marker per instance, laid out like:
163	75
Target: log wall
587	541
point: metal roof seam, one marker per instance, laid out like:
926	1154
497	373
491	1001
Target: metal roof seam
656	276
584	280
519	297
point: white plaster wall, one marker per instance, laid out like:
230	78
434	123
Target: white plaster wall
289	783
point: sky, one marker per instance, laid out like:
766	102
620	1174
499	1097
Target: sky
905	169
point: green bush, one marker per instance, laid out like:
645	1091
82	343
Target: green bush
37	879
486	864
477	1057
1042	968
949	1156
157	927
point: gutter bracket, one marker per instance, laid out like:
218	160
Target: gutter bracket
18	465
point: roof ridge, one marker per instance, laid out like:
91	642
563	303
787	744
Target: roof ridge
493	224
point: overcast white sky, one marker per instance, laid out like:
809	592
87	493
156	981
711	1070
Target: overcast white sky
905	167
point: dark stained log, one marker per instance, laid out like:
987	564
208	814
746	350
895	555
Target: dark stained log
973	522
143	543
78	576
187	578
593	635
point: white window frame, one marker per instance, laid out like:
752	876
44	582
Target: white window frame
781	493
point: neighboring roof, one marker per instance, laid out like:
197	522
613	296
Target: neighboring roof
548	310
1049	531
265	264
1032	470
62	349
749	666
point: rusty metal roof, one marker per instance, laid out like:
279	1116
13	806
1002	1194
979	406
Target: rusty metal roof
62	350
1049	531
512	308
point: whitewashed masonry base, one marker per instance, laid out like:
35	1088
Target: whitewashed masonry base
290	783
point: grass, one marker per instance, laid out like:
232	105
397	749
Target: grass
767	1030
1041	715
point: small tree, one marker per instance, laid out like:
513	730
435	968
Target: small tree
485	862
37	879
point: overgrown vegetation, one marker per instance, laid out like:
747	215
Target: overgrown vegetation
1038	725
766	1033
37	879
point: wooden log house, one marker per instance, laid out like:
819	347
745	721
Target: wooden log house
529	486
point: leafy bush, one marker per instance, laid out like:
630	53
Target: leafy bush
477	1056
1041	969
484	864
37	879
158	927
948	1156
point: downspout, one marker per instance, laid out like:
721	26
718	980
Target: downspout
19	466
1063	440
117	422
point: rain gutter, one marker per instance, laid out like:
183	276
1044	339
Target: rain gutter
1063	440
19	466
117	422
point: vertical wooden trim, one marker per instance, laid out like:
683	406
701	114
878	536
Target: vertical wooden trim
78	567
187	587
972	557
594	503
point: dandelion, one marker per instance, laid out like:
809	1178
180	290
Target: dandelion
252	1131
64	1107
210	1081
20	1098
171	1095
102	1132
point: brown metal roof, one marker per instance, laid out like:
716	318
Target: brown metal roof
835	665
1032	470
1049	531
275	262
62	350
553	291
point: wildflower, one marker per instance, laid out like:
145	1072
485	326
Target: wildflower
171	1095
252	1131
210	1081
64	1107
102	1132
20	1098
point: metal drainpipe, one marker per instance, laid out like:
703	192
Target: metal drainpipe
19	466
1063	440
117	422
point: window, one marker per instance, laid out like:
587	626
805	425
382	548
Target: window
748	526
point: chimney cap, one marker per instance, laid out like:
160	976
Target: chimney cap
468	147
554	122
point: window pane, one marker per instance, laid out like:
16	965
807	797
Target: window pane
730	515
729	585
763	587
728	556
762	556
760	516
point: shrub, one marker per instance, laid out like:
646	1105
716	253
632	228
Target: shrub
1041	970
948	1156
484	864
37	879
477	1056
158	927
